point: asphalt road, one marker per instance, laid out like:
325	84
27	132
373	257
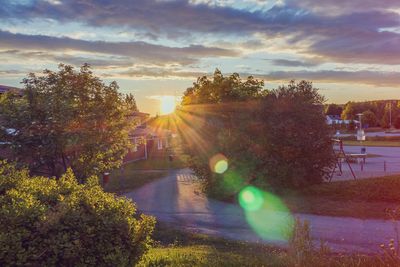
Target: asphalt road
177	200
385	162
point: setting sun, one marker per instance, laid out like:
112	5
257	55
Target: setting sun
167	105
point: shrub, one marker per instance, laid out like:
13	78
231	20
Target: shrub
49	222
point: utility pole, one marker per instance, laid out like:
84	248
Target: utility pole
390	114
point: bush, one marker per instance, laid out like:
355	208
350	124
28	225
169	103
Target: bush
49	222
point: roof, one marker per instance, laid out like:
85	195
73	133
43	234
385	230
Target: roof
139	114
5	88
149	131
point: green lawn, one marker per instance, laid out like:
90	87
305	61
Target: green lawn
135	174
161	163
128	179
363	198
178	248
372	143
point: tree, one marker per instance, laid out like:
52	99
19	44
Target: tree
294	136
368	118
277	139
67	119
59	222
222	89
333	109
130	103
397	122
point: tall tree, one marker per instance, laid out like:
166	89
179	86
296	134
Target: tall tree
221	89
294	136
333	109
67	118
278	139
369	118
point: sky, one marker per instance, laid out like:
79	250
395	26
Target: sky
350	49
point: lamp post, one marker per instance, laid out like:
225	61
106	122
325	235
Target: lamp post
360	133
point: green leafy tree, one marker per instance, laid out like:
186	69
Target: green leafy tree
59	222
294	136
333	109
67	119
222	89
130	103
397	122
369	118
277	139
351	126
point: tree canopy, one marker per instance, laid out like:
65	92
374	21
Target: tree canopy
333	109
222	89
279	138
380	108
67	118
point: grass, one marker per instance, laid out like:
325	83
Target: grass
129	179
179	248
364	198
174	247
385	141
372	143
159	163
128	182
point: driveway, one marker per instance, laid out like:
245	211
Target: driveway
177	200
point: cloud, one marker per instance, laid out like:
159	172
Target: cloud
138	51
351	31
360	47
106	61
294	63
334	7
376	78
156	72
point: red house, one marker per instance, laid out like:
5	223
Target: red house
147	141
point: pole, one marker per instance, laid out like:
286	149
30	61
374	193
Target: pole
390	115
145	148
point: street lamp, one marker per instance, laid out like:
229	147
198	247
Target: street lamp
361	134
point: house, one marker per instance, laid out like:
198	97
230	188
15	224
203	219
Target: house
147	141
336	120
5	88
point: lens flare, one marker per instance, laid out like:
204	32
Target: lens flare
218	163
266	214
232	182
251	198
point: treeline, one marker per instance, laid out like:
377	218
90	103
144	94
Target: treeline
379	113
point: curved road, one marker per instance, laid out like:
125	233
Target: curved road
176	199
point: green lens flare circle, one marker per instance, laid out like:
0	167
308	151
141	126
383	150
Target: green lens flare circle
251	198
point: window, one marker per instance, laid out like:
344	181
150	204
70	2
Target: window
159	144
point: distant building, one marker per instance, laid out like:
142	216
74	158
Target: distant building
5	88
147	141
336	120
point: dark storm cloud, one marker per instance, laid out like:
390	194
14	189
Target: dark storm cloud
140	51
